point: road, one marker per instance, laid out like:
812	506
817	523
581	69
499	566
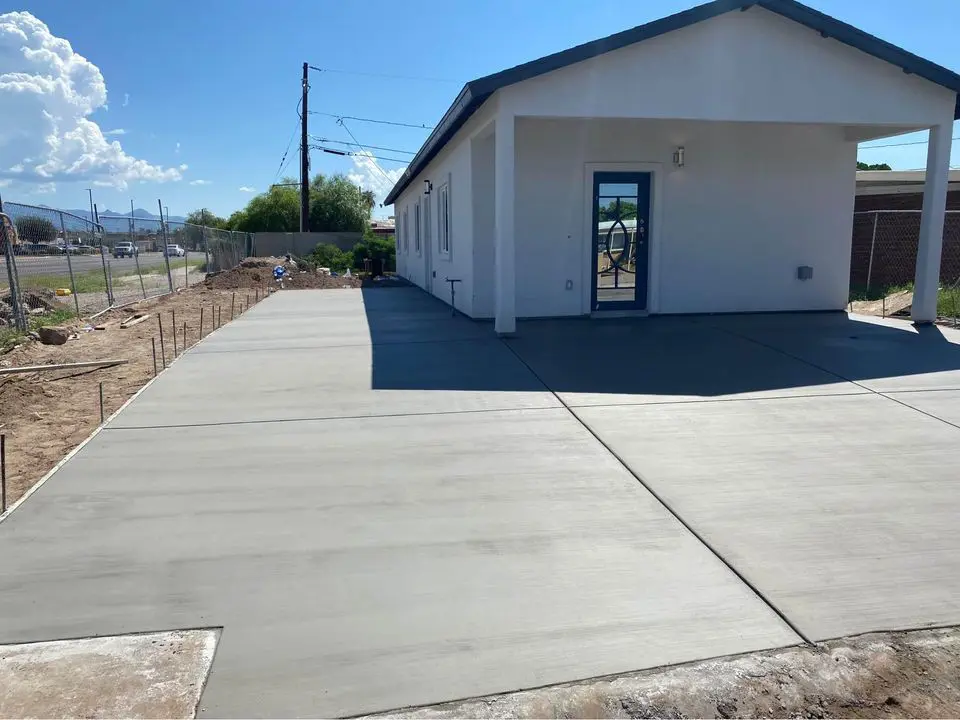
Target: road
57	264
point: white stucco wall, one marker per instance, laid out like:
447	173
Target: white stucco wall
753	202
452	165
740	66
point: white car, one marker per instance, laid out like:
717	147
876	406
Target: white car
175	251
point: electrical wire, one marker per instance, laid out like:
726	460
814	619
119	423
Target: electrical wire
389	77
375	147
352	153
370	120
903	144
290	141
369	154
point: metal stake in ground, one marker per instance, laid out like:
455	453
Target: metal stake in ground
101	402
233	299
163	353
184	337
201	321
153	343
174	324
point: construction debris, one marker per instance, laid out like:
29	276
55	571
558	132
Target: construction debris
134	320
53	335
61	366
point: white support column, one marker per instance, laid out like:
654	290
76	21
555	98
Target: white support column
505	254
927	279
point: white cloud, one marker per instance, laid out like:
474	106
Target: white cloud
126	100
117	131
48	92
5	182
370	175
176	150
246	188
201	182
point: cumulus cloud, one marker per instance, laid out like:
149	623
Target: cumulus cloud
126	99
48	92
117	131
370	175
246	188
201	182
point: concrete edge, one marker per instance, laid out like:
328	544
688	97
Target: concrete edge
63	461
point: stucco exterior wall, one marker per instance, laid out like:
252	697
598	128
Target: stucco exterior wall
753	202
741	66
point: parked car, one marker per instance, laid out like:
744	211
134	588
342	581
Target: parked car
175	251
125	249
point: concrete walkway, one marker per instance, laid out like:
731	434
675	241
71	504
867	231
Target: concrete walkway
385	506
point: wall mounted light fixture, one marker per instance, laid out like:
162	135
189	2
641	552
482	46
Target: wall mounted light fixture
678	156
427	187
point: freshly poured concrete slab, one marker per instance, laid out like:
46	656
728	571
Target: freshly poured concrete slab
883	355
309	319
654	360
147	675
351	381
374	563
840	509
942	404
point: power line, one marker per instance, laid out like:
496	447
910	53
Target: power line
375	147
371	120
352	153
903	144
289	142
369	154
382	75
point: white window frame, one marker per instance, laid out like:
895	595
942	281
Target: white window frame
417	228
406	231
444	220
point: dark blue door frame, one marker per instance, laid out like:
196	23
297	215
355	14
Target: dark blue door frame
620	239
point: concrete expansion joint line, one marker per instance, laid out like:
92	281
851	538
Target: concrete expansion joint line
666	506
839	376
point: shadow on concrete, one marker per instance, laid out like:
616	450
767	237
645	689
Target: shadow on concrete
418	345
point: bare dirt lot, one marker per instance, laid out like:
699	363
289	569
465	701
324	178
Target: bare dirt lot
46	414
909	674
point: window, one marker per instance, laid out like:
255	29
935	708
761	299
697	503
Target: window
416	228
406	231
443	223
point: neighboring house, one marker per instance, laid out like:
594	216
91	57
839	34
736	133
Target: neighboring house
383	228
728	133
886	229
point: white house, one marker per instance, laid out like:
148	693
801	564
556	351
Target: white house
704	162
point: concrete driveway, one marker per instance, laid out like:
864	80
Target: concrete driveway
385	506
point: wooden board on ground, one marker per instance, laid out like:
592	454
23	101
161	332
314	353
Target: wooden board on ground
894	303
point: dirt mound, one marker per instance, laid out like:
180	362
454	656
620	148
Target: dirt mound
258	273
37	298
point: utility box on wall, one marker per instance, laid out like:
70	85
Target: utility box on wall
804	272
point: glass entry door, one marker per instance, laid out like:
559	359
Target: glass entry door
621	230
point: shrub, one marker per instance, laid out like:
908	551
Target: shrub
327	255
375	248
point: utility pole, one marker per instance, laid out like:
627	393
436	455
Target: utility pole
304	158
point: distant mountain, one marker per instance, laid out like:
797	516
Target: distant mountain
118	222
138	213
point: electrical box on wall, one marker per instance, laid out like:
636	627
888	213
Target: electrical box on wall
804	272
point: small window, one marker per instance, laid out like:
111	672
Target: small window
406	231
444	219
416	228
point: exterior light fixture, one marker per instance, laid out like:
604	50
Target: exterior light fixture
678	156
427	187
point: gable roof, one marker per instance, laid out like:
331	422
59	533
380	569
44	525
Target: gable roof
476	92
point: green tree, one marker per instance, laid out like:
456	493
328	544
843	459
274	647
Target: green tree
337	205
876	166
36	229
277	210
205	217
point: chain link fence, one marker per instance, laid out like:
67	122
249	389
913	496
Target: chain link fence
59	265
883	258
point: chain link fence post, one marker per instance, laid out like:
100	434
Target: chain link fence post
166	255
73	280
17	311
873	243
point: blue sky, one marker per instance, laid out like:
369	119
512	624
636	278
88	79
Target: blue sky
213	85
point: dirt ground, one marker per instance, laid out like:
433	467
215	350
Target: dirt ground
909	674
46	414
258	272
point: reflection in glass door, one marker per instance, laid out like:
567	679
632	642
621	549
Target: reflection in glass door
621	228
